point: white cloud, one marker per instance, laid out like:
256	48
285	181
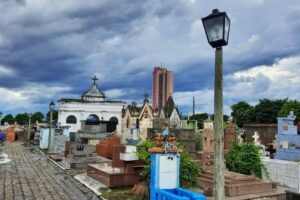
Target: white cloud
117	93
5	71
254	39
277	81
28	97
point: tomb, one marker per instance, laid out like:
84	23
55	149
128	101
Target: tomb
206	156
287	140
236	184
57	141
165	169
10	134
105	148
122	170
79	155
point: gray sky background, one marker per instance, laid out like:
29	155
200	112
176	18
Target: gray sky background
49	49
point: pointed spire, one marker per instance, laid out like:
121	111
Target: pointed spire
193	105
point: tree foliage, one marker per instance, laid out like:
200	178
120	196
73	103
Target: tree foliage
245	159
22	119
54	115
37	116
266	111
9	118
291	105
242	113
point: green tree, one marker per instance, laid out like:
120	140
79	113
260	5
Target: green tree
291	105
54	115
8	118
37	116
266	111
22	119
242	113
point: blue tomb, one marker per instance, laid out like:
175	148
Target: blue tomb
288	141
164	179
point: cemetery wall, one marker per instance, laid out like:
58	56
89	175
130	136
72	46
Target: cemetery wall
285	173
266	132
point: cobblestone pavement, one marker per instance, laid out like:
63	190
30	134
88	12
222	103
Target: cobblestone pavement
30	175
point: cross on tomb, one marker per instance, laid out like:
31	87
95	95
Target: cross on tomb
94	79
256	138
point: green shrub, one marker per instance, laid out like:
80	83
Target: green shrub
245	159
189	169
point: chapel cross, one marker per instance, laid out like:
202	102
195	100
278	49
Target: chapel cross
94	79
146	96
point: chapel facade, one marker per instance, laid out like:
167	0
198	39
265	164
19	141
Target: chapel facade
92	108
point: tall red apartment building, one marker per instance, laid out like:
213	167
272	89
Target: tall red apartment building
162	86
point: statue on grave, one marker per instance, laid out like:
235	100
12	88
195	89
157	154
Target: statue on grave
165	141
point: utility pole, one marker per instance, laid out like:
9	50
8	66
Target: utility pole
193	105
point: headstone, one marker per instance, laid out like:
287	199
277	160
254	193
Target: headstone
59	143
82	154
208	140
104	148
229	136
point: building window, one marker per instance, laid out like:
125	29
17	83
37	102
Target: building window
71	119
93	118
114	120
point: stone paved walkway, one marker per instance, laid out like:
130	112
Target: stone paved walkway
31	176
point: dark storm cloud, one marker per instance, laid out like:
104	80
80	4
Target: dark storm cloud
61	44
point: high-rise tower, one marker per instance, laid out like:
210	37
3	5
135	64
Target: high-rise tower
162	86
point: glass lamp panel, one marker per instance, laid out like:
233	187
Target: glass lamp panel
214	28
52	105
226	29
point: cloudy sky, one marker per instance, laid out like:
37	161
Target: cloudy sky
49	49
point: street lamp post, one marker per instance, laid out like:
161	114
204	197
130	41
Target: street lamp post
51	107
217	26
29	126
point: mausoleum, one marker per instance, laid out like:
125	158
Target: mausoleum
93	107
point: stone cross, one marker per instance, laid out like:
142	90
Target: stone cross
256	138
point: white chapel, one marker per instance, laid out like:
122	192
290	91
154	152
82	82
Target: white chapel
93	107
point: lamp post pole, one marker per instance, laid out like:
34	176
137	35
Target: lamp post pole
217	27
219	191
